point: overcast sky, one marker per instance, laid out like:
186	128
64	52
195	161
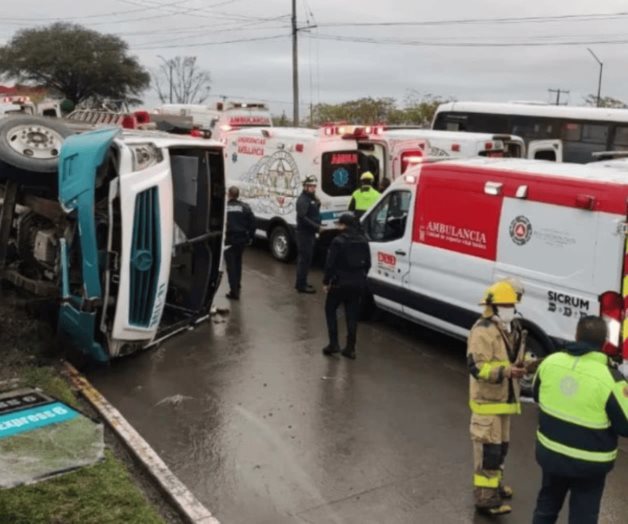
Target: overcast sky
334	70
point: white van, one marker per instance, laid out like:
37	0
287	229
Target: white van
445	231
219	118
269	166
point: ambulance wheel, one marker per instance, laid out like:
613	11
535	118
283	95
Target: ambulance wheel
32	144
281	244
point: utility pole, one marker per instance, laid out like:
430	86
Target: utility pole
558	93
599	82
295	66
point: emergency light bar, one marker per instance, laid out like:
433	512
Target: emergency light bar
16	99
352	131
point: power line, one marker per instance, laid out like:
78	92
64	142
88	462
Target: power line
483	21
427	43
207	44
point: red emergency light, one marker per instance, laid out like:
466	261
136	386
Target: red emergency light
410	159
142	117
129	122
612	311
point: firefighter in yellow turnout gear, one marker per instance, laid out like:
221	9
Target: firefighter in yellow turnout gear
495	358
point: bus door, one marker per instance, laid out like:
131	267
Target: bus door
551	150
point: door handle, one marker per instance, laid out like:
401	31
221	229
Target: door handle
401	253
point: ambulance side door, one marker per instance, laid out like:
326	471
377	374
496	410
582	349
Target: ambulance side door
388	226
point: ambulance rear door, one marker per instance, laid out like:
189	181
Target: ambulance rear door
339	177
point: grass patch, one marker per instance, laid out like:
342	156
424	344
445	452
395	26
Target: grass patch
101	494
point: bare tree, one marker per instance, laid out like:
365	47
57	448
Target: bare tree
180	80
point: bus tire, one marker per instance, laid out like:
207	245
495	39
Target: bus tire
281	243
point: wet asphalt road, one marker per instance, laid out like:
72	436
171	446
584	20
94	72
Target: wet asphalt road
264	429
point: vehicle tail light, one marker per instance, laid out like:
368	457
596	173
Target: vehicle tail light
488	146
299	148
410	158
129	122
612	311
455	148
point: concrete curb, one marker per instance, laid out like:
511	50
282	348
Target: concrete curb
186	504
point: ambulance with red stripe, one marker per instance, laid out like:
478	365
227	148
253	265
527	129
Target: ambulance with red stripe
445	231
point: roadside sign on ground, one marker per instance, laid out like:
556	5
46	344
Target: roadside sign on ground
41	437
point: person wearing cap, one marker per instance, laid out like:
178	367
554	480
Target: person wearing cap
240	233
346	268
308	226
495	351
365	196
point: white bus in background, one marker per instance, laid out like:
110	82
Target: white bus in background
582	131
220	117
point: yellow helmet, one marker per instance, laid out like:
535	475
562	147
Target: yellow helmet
367	176
502	293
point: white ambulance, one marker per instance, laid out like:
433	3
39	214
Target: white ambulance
219	118
269	166
445	231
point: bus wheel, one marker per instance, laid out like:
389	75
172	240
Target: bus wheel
281	244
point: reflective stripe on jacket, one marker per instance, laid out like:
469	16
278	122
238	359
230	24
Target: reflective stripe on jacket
365	198
490	352
583	405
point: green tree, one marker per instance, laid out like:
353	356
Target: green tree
606	101
419	109
79	63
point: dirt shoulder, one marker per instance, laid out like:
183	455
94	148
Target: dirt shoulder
112	491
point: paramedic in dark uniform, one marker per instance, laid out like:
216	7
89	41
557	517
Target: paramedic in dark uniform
308	226
348	263
240	233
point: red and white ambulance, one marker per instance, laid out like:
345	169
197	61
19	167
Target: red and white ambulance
445	231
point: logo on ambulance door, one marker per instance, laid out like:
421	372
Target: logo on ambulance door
520	230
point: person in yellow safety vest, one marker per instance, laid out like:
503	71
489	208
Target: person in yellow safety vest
496	346
365	196
583	408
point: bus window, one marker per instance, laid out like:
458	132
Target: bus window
621	138
595	133
339	173
571	131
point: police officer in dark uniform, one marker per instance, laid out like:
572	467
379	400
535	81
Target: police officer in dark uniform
348	263
308	226
240	233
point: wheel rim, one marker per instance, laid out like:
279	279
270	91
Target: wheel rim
35	141
281	245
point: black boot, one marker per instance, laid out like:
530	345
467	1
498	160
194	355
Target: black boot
331	349
349	350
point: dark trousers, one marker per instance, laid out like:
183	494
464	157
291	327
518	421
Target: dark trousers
584	500
233	260
350	297
305	252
